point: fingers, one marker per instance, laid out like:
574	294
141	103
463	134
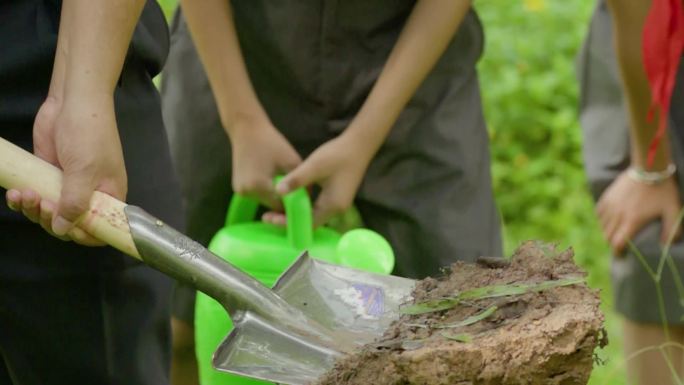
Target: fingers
47	211
260	189
331	202
77	189
617	228
622	234
620	225
30	202
42	211
270	199
27	202
13	198
323	211
275	218
305	174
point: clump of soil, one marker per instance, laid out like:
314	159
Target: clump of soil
538	337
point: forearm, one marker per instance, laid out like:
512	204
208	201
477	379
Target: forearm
429	29
213	31
628	23
56	90
94	43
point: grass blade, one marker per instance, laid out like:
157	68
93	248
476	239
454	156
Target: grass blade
463	337
493	291
470	320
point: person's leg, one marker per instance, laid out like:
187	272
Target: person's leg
183	362
646	363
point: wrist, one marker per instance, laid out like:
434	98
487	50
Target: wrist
651	177
87	103
363	144
244	122
83	97
83	83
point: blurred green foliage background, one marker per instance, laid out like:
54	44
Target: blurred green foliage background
530	98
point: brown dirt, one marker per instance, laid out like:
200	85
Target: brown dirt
546	337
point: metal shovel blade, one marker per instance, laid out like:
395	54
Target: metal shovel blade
290	334
360	305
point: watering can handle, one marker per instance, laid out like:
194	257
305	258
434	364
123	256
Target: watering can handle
297	204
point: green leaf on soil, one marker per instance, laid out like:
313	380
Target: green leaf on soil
470	320
493	291
515	289
463	337
430	306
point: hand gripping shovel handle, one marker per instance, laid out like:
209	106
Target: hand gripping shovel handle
140	235
105	220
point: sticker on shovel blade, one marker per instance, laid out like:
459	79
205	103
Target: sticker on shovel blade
367	301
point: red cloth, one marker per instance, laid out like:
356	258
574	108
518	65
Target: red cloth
663	43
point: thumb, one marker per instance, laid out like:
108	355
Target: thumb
77	188
303	175
671	227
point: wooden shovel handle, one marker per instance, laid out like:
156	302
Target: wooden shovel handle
105	220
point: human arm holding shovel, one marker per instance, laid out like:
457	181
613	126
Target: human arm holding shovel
647	191
75	128
338	166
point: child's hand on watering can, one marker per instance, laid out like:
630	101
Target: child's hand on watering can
260	152
338	167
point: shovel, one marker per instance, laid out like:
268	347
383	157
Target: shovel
291	334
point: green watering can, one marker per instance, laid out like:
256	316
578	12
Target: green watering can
265	251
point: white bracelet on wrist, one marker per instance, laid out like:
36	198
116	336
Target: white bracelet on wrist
651	177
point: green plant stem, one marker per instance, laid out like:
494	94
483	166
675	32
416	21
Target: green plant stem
670	239
470	320
668	361
640	352
659	290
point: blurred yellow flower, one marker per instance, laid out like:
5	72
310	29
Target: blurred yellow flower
534	5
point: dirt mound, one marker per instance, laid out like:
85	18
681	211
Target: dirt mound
530	321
